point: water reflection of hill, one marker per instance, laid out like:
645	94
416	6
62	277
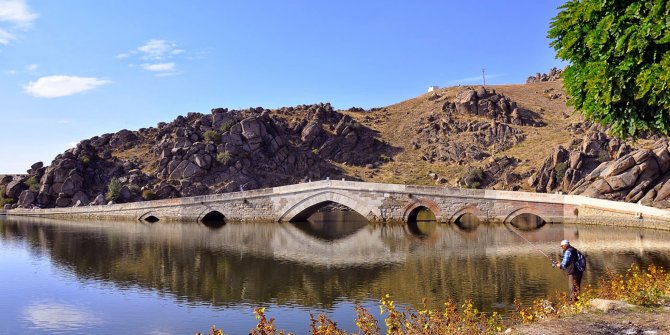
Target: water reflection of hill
265	262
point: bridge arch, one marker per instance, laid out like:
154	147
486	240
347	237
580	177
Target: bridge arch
304	206
523	210
212	217
149	217
474	210
432	206
532	218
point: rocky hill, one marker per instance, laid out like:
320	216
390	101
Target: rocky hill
516	137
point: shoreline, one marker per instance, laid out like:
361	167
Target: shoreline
635	320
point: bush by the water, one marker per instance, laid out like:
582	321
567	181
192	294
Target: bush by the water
148	194
4	200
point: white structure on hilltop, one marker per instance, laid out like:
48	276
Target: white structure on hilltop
433	88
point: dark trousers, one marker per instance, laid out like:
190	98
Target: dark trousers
574	283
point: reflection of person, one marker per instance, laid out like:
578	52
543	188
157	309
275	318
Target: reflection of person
569	265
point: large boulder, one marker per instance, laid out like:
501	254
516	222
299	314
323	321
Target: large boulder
26	199
99	200
14	188
311	131
80	197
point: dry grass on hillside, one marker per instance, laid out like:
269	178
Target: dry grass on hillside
141	153
397	125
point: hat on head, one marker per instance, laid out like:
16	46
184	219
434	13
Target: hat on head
565	242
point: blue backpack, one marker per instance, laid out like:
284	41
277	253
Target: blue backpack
580	263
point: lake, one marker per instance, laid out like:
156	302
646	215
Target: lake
67	277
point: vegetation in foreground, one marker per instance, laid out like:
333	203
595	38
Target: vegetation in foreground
645	287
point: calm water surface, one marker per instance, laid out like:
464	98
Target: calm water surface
59	277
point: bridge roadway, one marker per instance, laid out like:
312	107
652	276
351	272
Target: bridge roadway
377	202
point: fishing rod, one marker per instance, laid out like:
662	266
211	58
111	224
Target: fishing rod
529	242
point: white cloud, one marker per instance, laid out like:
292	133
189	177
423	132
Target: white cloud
14	15
156	56
10	72
63	121
52	317
159	67
6	37
61	86
16	12
159	49
32	67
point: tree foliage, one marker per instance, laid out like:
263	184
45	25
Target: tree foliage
113	189
619	62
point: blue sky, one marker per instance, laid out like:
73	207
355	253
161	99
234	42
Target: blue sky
73	69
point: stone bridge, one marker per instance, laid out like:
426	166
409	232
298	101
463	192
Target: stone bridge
376	202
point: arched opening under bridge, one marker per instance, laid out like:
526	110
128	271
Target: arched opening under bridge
421	221
527	221
150	219
467	222
213	219
329	221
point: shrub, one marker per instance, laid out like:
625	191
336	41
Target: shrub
560	169
223	157
85	160
3	198
384	158
315	151
33	184
148	194
210	136
226	126
113	190
6	201
473	178
134	189
639	287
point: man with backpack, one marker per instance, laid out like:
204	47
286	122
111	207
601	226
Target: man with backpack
574	264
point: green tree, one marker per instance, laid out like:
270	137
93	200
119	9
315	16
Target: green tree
619	62
113	190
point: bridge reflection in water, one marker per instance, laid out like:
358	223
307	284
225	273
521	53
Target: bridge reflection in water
334	257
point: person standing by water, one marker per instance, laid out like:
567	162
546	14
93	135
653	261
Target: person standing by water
573	266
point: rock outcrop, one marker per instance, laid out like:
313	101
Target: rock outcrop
607	168
553	75
565	168
495	106
639	176
202	154
454	136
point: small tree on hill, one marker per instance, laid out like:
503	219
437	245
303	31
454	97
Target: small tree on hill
619	54
113	190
